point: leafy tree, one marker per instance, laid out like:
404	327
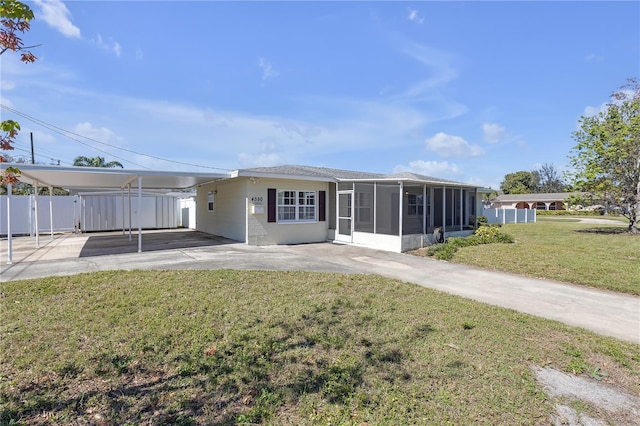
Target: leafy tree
95	162
521	182
606	158
14	18
550	179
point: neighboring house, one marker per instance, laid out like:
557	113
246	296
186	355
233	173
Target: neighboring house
303	204
549	201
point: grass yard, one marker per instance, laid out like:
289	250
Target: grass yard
601	256
241	347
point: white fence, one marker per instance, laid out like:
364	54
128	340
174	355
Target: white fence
95	213
509	215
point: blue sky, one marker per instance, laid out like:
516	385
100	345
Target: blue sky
468	91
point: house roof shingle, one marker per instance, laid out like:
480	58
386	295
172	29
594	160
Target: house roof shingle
346	175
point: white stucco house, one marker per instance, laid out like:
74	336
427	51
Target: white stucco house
282	204
539	201
304	204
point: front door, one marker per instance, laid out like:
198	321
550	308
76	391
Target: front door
345	216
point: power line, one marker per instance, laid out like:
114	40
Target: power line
64	132
60	132
17	144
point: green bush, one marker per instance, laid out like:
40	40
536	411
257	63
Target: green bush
442	251
482	221
483	235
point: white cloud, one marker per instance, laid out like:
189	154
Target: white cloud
452	146
492	133
267	70
7	84
439	64
414	16
110	44
591	111
56	14
101	134
593	57
139	54
430	168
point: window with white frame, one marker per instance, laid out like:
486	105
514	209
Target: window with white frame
210	201
415	205
296	206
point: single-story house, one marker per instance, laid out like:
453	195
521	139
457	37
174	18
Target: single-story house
304	204
284	204
548	201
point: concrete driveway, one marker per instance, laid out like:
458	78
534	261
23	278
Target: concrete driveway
603	312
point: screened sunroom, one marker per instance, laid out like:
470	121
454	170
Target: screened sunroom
401	213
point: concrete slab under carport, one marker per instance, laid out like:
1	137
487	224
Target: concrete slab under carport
604	312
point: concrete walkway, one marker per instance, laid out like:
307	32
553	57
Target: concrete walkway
603	312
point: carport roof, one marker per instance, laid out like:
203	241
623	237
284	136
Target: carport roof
106	178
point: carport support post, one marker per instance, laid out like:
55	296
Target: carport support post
400	212
51	209
122	202
9	236
139	214
129	211
35	208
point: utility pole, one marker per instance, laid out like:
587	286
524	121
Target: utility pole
33	157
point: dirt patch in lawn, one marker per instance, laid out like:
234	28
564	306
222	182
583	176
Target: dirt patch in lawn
585	401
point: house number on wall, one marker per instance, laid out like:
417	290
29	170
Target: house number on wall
256	200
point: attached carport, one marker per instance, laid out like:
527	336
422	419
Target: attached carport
97	179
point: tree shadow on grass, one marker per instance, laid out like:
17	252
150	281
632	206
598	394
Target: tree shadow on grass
247	380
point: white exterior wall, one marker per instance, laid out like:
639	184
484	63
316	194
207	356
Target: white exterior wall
228	218
378	241
261	232
240	212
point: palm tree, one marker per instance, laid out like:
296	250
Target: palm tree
95	162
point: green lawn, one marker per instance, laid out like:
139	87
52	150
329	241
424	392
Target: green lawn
601	256
240	347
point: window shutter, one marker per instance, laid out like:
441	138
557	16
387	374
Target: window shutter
271	205
322	195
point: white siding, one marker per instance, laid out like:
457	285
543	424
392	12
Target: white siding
235	217
229	204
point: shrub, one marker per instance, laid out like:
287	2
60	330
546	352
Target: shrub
482	221
442	251
483	235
